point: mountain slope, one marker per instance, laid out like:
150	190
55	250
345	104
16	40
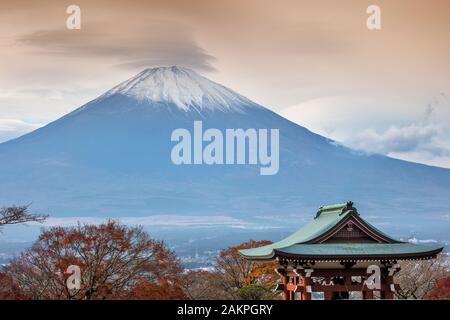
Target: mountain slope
111	158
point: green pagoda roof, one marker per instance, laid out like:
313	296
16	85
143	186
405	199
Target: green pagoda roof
357	250
315	239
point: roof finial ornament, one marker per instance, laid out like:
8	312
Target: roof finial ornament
350	207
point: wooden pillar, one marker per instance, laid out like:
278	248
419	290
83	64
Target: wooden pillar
282	272
328	295
367	294
307	285
301	288
285	290
307	282
387	282
294	287
389	294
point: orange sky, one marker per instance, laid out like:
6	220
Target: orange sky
314	62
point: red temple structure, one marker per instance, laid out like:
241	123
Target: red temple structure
336	253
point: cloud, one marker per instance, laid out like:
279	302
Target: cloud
416	241
135	46
392	129
398	139
156	220
422	136
15	125
12	128
173	221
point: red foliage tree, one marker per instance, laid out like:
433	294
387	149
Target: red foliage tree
113	259
440	291
168	279
9	290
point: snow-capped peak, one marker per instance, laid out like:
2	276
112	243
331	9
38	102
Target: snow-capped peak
181	86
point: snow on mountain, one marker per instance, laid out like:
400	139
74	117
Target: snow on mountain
181	86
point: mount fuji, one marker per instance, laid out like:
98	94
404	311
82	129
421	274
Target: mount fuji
111	158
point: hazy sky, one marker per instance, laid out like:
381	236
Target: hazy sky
315	62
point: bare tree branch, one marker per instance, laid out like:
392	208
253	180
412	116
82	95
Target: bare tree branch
19	214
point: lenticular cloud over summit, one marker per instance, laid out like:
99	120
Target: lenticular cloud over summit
112	158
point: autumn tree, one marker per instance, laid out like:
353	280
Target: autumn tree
233	277
167	281
440	291
203	285
417	278
240	278
114	260
9	290
18	214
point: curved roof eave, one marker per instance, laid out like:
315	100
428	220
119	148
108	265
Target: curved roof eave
359	250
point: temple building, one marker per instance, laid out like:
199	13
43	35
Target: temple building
336	253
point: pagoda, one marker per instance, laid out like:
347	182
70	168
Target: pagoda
336	253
